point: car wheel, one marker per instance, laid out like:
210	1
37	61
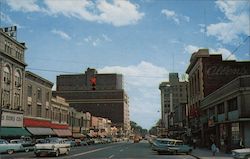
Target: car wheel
57	153
10	151
26	150
37	154
175	152
189	152
67	152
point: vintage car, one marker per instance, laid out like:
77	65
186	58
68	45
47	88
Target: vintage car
52	146
166	145
161	144
241	153
10	148
178	146
27	146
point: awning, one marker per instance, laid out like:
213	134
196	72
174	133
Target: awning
40	131
78	135
62	132
13	131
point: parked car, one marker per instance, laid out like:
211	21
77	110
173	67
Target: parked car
54	146
241	153
10	148
71	142
27	146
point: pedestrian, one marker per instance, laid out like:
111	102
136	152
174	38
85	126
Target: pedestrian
194	143
213	148
241	143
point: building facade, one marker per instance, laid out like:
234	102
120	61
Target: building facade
207	73
226	115
12	70
100	94
173	102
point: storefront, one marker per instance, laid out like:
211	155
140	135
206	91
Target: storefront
12	125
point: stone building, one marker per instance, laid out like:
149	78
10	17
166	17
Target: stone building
12	70
101	95
173	102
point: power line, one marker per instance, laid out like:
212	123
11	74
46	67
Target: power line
60	71
233	52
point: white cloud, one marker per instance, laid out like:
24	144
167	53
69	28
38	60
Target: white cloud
7	20
142	84
25	6
95	41
118	13
175	17
226	54
62	34
238	22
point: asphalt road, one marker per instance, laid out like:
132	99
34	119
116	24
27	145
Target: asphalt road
122	150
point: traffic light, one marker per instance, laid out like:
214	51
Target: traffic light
93	83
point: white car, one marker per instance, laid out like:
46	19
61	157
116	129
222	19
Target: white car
241	153
52	146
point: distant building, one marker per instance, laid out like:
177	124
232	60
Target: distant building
173	102
100	94
207	74
12	75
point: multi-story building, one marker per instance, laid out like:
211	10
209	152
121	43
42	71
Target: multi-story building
59	116
207	73
100	94
173	102
12	70
226	114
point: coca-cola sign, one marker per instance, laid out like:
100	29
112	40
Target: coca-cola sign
226	70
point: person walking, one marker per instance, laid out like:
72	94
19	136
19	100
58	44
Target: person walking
213	148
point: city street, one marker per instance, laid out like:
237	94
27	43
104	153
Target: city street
140	150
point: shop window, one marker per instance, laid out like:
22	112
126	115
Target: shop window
235	133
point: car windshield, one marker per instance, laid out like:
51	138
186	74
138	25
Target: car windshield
117	78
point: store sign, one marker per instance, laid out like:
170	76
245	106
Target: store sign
225	70
12	119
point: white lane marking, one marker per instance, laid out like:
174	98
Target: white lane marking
79	154
121	150
111	156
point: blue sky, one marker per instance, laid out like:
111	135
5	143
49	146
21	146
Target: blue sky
142	39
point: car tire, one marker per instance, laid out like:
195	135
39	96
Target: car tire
26	150
37	154
189	152
57	153
175	152
67	152
10	151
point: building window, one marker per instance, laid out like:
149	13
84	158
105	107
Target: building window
29	110
39	95
39	111
17	79
232	104
221	108
47	96
235	133
6	75
29	91
47	113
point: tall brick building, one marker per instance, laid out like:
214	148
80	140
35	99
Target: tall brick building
209	74
100	94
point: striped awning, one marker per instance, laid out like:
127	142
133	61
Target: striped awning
40	131
78	135
62	132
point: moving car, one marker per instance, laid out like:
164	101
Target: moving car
10	148
167	145
27	146
241	153
54	146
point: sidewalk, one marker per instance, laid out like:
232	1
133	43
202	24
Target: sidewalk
207	154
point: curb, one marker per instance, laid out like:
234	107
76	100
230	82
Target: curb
195	156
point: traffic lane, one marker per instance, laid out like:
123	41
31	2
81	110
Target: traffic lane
73	151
